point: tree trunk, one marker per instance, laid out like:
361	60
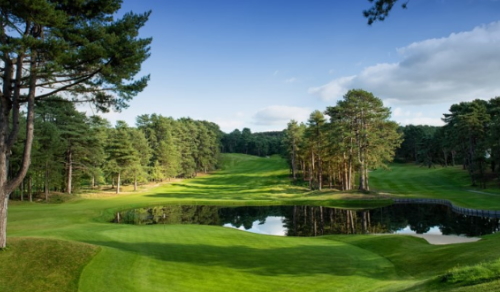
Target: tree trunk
294	166
365	222
363	172
353	223
118	183
30	190
70	172
320	173
4	200
321	221
22	191
135	183
46	179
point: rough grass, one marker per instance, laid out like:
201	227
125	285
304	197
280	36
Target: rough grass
210	258
37	264
476	274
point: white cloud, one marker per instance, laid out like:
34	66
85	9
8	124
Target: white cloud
334	89
419	120
280	115
423	116
228	125
462	66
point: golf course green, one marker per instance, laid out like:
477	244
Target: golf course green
72	246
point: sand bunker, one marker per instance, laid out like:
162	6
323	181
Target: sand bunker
445	239
438	239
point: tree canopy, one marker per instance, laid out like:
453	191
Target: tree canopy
380	10
79	50
358	137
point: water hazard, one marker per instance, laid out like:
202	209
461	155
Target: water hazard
317	220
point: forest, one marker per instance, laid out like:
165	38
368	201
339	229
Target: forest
470	138
73	152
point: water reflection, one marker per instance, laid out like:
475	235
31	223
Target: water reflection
314	221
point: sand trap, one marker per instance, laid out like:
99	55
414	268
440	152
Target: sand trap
445	239
438	239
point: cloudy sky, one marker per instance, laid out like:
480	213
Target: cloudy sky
261	63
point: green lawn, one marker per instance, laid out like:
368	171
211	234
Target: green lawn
451	183
72	247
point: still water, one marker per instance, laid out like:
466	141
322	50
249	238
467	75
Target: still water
315	221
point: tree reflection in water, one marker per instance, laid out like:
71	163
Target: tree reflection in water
315	221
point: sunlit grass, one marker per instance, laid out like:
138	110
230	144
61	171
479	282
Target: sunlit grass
211	258
450	183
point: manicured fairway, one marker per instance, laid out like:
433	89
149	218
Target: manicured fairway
102	256
451	183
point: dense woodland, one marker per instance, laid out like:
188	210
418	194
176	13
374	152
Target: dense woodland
470	137
357	137
246	142
74	151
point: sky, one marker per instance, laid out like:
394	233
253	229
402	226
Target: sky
261	63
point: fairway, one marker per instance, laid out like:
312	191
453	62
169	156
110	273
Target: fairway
102	256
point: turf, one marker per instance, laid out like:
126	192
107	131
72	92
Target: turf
37	264
95	255
450	183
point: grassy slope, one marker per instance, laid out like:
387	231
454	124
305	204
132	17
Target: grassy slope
451	183
208	258
36	264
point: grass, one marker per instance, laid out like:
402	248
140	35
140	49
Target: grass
73	246
476	274
450	183
37	264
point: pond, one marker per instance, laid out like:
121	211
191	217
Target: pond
317	220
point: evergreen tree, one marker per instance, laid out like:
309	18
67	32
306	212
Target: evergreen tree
121	153
76	47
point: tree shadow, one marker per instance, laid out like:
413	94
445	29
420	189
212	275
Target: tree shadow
234	187
303	260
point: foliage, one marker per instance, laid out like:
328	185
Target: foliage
380	10
180	148
469	137
76	49
358	137
475	274
246	142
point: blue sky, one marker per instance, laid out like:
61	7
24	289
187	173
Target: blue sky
261	63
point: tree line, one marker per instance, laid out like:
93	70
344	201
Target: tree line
470	137
71	150
350	138
246	142
82	50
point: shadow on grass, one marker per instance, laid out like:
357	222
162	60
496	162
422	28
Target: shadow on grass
300	260
234	187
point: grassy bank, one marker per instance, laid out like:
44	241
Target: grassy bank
112	257
450	183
